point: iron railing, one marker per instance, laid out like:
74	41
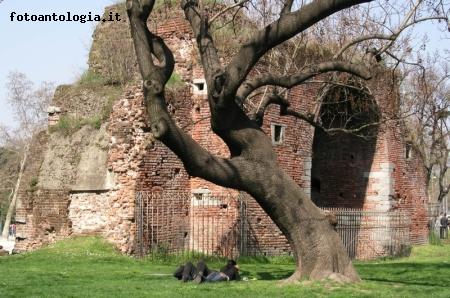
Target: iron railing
224	225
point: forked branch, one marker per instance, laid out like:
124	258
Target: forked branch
287	26
197	161
289	81
285	110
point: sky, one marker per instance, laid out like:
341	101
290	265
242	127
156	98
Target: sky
57	51
44	51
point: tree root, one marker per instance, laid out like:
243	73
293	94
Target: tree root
326	276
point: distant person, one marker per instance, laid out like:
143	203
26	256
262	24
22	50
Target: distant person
201	272
444	226
3	252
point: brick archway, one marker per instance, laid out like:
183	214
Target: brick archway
341	162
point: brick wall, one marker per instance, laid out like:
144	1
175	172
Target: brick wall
372	175
30	176
339	165
43	218
352	172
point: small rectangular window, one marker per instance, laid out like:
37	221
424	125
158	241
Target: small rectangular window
199	87
277	132
198	196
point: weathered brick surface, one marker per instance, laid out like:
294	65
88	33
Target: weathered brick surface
353	173
43	218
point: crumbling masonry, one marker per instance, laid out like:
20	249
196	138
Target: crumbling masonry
87	182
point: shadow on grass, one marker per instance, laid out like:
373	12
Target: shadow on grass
273	275
421	274
268	275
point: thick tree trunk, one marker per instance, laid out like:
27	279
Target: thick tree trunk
253	165
317	247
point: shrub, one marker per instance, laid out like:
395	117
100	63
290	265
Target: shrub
68	124
90	78
117	56
175	81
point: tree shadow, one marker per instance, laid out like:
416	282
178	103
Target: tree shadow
268	275
421	274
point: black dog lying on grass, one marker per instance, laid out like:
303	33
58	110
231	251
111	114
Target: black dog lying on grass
201	272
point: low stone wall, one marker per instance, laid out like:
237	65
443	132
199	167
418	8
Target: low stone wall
88	212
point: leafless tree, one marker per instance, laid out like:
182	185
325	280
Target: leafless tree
427	96
252	165
29	106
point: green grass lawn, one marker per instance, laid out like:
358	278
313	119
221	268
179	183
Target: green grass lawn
89	267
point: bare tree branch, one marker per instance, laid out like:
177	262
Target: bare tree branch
361	39
223	11
308	72
287	7
148	44
408	21
208	51
197	161
277	32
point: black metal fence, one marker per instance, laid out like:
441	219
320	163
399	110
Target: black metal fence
373	234
219	225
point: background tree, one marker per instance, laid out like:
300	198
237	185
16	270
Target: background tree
9	160
30	108
427	99
252	165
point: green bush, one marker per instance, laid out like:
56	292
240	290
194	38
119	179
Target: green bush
90	78
175	81
67	124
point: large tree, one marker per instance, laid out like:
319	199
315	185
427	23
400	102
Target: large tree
252	166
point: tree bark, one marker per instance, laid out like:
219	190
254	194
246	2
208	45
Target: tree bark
252	166
318	250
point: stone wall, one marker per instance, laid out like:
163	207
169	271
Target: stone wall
88	212
85	100
41	214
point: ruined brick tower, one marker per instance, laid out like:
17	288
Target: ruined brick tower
92	189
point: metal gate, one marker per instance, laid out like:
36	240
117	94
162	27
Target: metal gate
184	223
